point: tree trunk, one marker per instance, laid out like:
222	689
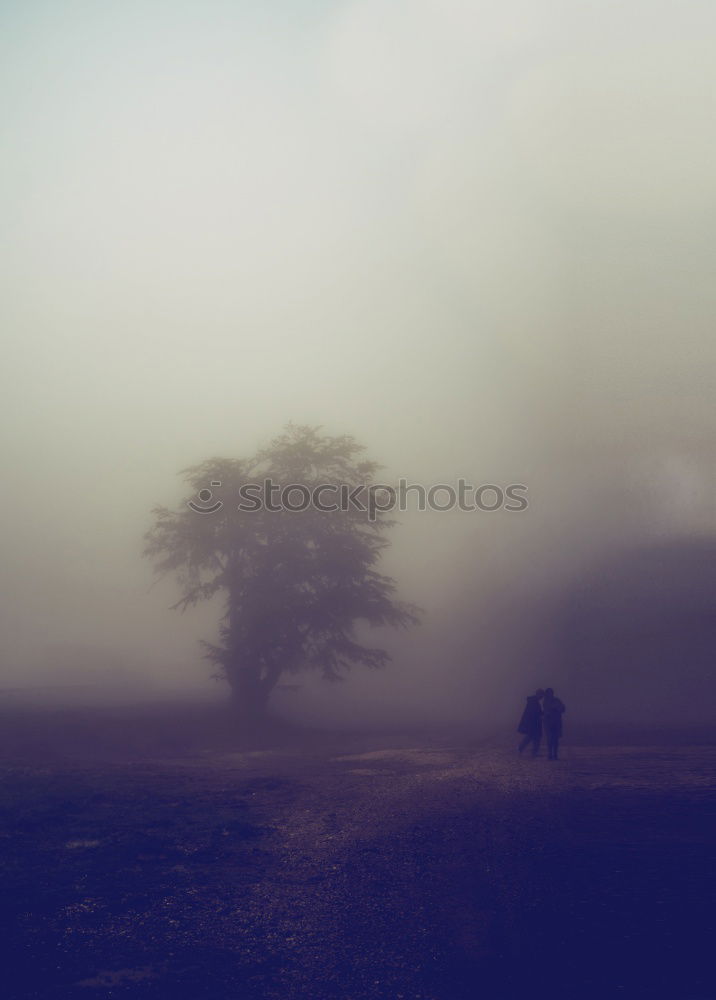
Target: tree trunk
251	689
247	697
251	673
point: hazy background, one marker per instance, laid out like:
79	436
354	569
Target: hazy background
476	235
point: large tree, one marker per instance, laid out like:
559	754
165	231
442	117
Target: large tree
295	584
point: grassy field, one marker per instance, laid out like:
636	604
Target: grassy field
142	864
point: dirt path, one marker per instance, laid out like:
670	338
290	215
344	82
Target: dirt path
435	873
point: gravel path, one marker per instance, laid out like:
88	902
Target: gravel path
426	873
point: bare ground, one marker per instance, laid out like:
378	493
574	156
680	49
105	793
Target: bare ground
358	869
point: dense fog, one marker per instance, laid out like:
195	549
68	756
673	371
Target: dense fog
473	235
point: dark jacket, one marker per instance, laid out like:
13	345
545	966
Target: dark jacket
531	721
554	709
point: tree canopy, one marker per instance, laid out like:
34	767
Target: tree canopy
295	583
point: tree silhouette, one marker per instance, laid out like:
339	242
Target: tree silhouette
295	583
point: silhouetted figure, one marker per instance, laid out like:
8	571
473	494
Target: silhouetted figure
531	723
552	711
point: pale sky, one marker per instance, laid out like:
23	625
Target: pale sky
476	235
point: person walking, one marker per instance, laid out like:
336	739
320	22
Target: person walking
552	711
531	723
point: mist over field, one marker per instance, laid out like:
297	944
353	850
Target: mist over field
474	236
477	238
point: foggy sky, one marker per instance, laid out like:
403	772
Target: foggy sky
476	235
